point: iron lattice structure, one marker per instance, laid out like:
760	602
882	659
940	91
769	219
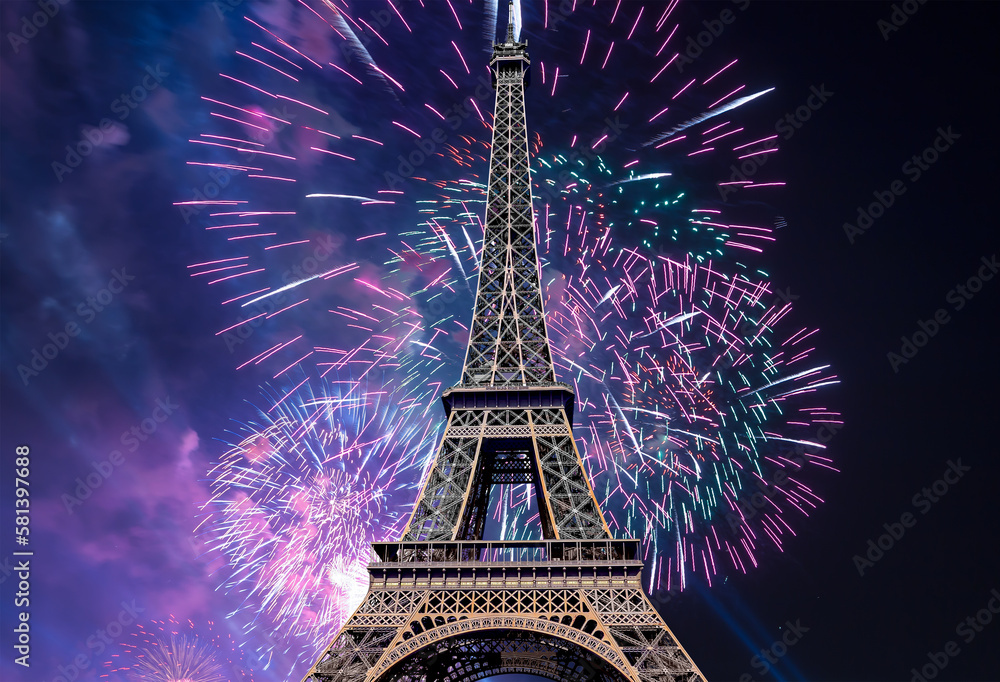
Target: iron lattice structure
444	605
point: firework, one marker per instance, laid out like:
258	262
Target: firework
692	397
300	495
171	651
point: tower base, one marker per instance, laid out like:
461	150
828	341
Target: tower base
460	611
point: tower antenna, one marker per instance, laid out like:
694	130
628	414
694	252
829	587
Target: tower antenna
510	23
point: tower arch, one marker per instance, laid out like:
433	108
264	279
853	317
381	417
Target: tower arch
474	649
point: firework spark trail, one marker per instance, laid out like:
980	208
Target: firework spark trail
647	176
712	113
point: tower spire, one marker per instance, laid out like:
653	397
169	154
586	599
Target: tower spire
510	23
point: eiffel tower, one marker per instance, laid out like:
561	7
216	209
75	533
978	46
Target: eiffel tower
444	604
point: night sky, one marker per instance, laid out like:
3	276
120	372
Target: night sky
877	101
